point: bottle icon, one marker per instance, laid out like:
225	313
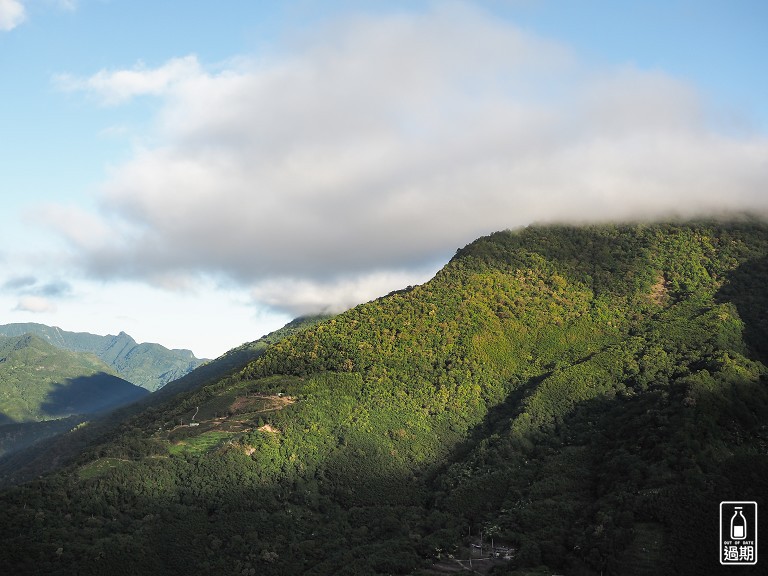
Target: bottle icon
738	525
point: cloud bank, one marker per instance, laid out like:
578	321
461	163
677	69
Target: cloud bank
379	145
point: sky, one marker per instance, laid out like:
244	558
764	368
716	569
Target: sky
198	173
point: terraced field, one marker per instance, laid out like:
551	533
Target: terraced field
221	419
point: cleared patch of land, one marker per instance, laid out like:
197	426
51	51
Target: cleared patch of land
222	419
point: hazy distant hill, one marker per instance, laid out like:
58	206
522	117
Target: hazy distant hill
150	366
42	383
585	397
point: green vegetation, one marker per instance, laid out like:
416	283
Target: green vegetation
235	359
100	467
199	444
150	366
45	391
62	449
585	396
40	382
19	436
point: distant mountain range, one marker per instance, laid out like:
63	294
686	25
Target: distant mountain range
150	366
40	383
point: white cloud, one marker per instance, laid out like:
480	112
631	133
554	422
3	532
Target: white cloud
113	87
385	143
301	296
12	14
35	304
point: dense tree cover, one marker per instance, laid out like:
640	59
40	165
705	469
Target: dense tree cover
234	360
586	395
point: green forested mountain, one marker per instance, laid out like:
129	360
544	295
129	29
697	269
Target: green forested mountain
48	456
41	383
237	358
584	397
150	366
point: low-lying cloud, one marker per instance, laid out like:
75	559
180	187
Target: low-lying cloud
302	296
385	143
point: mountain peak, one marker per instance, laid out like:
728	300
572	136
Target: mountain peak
150	366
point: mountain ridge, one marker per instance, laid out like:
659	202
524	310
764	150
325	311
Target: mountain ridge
148	365
584	395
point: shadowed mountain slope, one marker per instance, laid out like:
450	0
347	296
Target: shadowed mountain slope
41	383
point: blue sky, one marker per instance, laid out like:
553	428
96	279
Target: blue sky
197	173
